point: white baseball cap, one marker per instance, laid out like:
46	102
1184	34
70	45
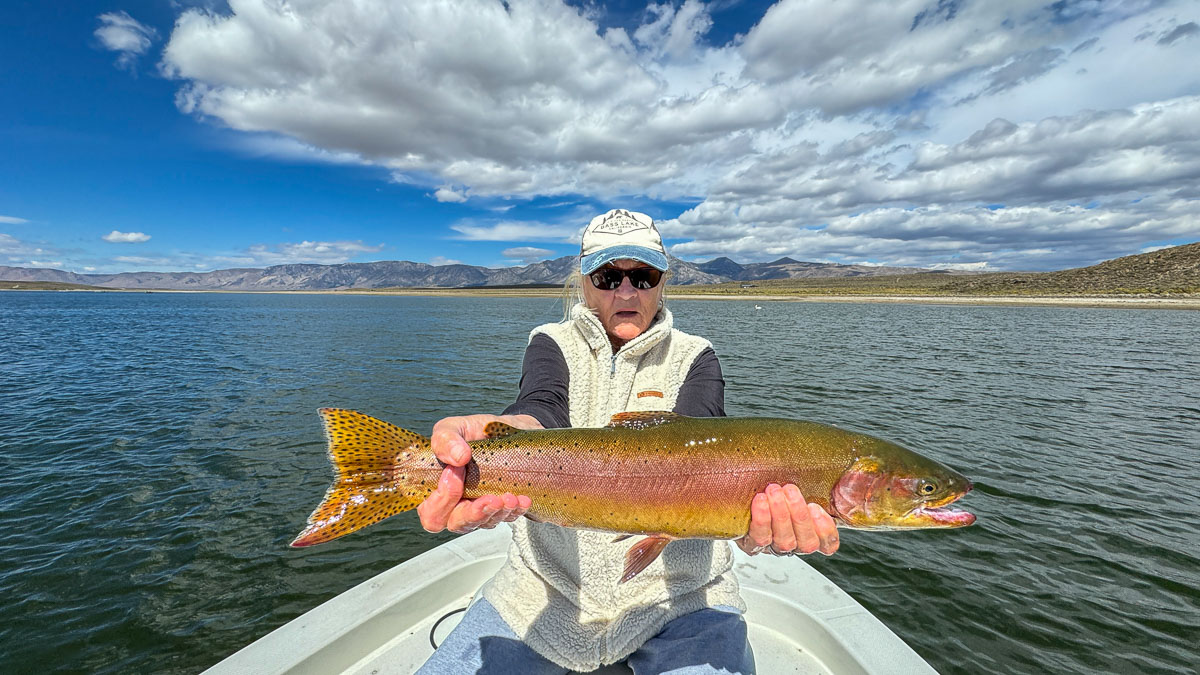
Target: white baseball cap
621	235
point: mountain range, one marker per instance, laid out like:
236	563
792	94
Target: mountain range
405	274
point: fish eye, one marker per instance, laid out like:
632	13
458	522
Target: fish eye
928	488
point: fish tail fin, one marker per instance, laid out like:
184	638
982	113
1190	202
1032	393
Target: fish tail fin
379	470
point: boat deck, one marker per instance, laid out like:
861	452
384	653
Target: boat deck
800	622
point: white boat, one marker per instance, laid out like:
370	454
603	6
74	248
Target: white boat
800	622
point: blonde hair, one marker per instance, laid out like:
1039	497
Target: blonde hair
572	293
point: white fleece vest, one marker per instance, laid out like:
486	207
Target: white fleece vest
558	589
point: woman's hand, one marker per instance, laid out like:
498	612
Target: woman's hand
782	523
444	508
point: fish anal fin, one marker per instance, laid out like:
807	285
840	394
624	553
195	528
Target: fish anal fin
641	554
644	420
499	430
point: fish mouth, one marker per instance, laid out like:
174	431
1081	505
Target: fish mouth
942	514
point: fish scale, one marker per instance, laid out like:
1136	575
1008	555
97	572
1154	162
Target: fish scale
658	474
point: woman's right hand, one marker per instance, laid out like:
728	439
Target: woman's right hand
444	508
783	523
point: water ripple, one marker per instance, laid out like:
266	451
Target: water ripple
158	452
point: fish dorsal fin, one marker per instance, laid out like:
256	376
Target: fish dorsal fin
499	430
644	420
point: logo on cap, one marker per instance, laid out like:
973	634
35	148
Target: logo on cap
620	222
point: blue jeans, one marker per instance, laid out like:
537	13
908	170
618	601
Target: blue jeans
707	642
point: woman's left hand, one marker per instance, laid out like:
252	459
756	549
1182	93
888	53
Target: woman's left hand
782	523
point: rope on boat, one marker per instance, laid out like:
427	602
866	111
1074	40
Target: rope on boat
439	622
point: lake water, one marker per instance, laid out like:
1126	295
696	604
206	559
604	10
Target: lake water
159	451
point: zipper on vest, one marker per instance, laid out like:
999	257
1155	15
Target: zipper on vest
613	370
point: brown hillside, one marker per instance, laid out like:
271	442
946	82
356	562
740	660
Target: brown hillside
1167	271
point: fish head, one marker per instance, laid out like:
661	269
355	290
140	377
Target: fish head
891	488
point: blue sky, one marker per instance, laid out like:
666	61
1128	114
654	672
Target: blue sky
186	136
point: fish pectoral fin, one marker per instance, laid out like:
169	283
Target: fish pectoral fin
499	430
644	420
641	554
621	537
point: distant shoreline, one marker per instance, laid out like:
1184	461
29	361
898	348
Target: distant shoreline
1001	300
1101	301
1004	300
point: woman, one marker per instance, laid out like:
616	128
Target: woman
555	605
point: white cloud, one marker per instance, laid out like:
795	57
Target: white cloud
125	237
831	126
319	252
18	252
1151	249
448	194
1152	146
674	32
413	86
145	261
438	261
121	33
514	231
1019	237
961	267
12	220
24	254
527	254
289	149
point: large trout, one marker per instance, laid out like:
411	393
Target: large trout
658	474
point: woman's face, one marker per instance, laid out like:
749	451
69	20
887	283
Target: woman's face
625	312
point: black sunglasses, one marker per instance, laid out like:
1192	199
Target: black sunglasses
642	278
